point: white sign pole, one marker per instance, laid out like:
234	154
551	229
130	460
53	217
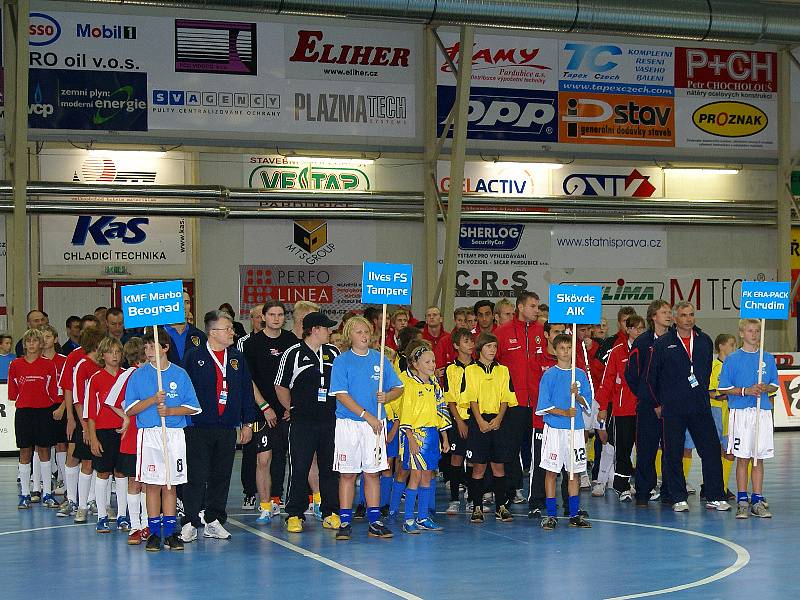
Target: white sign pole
572	406
378	451
163	419
758	397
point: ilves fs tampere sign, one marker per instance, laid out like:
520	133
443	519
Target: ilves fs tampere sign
580	304
158	303
765	300
386	283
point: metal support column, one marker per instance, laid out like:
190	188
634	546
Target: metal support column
15	35
456	193
431	213
786	340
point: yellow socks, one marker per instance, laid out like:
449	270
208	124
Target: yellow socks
687	466
658	463
317	498
727	465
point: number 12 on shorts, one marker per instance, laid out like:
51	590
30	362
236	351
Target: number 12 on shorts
580	454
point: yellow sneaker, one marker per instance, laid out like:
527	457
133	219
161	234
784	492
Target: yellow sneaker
294	525
331	522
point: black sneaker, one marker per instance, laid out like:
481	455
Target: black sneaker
477	515
153	543
580	521
361	513
384	511
344	532
549	523
535	513
581	513
173	542
503	515
379	530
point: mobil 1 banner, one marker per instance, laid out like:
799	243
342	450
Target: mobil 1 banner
498	260
87	100
337	289
503	113
107	238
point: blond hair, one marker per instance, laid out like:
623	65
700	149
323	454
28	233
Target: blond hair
106	345
33	334
350	324
743	323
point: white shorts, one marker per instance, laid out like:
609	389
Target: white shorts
150	456
555	450
357	449
742	433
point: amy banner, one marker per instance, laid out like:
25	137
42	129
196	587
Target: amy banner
337	289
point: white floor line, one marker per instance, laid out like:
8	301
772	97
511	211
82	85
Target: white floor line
41	528
326	561
742	558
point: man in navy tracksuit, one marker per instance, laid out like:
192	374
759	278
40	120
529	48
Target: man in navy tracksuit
676	382
648	423
225	390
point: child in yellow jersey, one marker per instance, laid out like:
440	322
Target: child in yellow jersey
487	392
464	344
423	416
725	345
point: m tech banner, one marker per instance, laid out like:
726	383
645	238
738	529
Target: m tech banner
726	99
601	246
158	303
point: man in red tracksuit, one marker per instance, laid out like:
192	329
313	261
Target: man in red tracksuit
519	341
614	391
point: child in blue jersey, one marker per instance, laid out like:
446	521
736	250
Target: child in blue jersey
555	391
360	438
175	402
739	380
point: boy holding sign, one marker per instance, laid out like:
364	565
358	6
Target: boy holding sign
155	408
741	381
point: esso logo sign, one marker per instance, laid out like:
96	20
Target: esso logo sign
43	29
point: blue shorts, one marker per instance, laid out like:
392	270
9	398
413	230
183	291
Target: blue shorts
688	442
393	447
428	458
716	412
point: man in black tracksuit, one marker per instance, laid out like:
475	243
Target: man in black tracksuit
648	424
224	388
676	382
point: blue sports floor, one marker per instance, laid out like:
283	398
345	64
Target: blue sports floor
629	553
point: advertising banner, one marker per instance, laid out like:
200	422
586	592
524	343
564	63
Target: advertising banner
8	441
3	259
608	182
275	172
726	99
603	245
525	180
337	289
787	399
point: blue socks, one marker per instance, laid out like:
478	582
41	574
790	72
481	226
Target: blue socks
373	514
424	502
550	503
386	490
741	496
345	515
574	502
756	498
397	492
154	524
411	500
168	525
432	496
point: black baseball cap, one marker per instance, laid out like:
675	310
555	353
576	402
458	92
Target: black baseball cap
317	319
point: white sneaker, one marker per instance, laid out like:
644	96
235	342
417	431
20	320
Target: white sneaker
626	496
276	509
453	508
682	506
188	533
720	505
585	481
690	489
310	509
216	530
655	494
599	490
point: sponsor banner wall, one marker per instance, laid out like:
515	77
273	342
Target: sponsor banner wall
604	245
337	288
726	98
275	172
610	182
787	400
499	179
3	259
608	68
715	293
8	441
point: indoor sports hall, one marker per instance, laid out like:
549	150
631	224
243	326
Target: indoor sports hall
399	298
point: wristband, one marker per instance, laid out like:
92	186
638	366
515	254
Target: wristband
363	412
263	407
743	393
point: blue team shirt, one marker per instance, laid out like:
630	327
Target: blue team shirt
358	376
179	391
554	393
5	361
740	370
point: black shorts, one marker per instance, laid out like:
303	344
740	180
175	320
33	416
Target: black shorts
59	427
109	440
458	445
492	446
82	450
33	427
126	464
262	436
